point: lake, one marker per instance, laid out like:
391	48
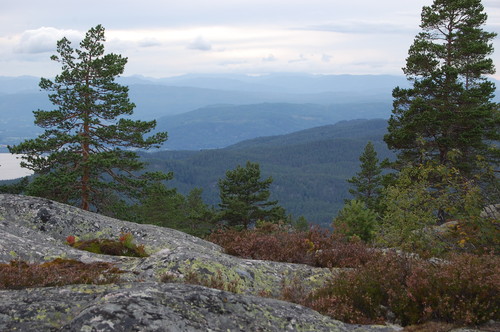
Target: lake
9	167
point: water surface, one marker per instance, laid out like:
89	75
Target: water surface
10	168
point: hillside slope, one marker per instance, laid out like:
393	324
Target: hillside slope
220	126
309	167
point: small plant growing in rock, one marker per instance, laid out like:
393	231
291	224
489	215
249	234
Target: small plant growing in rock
126	239
71	240
124	246
463	290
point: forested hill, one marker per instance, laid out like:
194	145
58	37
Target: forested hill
309	167
219	126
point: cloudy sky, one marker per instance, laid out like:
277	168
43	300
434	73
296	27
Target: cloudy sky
164	37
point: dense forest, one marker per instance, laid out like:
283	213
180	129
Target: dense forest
309	167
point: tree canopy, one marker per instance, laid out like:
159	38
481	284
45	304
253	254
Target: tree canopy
448	116
245	197
85	154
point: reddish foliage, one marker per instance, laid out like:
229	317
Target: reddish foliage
464	290
59	272
123	247
70	240
276	242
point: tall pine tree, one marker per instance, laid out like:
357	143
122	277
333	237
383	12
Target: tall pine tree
448	116
84	156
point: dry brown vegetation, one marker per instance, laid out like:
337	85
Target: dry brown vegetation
59	272
384	286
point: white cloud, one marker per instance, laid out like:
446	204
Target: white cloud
301	58
269	58
233	63
200	44
149	42
43	39
364	27
247	36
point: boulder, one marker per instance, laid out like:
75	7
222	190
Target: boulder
491	211
35	230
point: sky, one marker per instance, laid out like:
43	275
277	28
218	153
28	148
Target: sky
165	38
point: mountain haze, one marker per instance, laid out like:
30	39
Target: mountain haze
220	126
214	99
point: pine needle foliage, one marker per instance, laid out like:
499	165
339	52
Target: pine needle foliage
85	153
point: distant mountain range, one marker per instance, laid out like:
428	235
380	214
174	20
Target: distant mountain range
220	126
284	83
211	111
309	167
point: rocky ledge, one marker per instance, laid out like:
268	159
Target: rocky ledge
35	230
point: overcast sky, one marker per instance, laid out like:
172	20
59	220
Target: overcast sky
164	38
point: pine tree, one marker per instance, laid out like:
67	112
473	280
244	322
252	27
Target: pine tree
368	182
448	116
245	197
85	154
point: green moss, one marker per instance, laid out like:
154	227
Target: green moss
110	247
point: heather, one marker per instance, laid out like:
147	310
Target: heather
59	272
378	285
279	242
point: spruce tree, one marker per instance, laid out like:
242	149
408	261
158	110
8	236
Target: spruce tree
85	153
448	116
367	183
245	197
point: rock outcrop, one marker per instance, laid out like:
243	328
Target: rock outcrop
35	230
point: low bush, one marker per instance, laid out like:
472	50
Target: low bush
124	246
59	272
475	235
463	290
276	242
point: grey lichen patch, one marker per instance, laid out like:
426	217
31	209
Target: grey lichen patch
253	276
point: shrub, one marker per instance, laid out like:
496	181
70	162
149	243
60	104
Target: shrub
355	219
124	246
59	272
476	235
423	197
277	242
464	290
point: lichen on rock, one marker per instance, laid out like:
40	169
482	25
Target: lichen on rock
35	230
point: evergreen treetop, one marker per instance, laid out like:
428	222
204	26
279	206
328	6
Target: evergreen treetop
367	183
85	153
447	115
245	197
